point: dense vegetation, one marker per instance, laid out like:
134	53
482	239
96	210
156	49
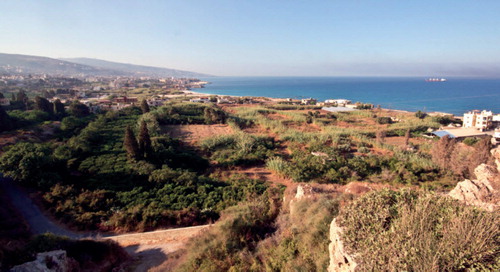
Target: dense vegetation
90	182
382	229
120	171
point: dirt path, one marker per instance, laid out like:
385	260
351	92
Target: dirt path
152	249
39	223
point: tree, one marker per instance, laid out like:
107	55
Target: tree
442	151
5	121
78	109
214	116
380	135
144	106
420	114
130	144
481	155
44	105
384	120
1	95
144	140
59	107
407	137
25	161
12	97
22	97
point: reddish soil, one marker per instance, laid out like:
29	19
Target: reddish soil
305	127
277	116
400	141
195	133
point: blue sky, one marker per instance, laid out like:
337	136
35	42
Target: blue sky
275	38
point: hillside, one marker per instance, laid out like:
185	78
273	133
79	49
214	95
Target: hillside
25	64
138	70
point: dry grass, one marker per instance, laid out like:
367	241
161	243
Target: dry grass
195	133
407	231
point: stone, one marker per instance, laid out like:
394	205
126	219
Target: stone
52	261
340	260
479	192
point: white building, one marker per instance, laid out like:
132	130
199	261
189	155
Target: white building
200	100
339	102
308	101
482	120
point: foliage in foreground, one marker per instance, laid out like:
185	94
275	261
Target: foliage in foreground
408	231
250	237
228	244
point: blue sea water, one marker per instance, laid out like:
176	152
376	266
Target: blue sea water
457	95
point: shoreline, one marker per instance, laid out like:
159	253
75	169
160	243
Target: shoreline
195	93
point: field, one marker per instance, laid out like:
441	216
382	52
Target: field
195	133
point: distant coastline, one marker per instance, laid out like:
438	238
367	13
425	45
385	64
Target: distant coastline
455	96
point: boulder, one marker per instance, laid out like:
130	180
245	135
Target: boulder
481	192
304	190
340	260
52	261
495	152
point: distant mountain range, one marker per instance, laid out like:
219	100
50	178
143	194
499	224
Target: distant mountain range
24	64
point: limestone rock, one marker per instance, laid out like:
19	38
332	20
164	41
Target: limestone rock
496	155
52	261
485	172
340	260
304	190
480	192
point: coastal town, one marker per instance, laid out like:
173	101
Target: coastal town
102	94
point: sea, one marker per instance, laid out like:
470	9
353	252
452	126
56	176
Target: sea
455	96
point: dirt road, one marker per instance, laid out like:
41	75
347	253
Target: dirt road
152	249
39	223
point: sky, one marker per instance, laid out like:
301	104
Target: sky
265	38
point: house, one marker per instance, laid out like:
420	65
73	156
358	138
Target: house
461	133
482	120
496	120
308	101
155	102
222	100
338	102
4	102
200	100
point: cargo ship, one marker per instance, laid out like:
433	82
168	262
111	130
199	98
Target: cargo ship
432	79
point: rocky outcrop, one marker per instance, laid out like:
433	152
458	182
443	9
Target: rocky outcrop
52	261
340	260
304	191
483	191
496	155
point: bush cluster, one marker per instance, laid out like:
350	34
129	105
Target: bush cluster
408	231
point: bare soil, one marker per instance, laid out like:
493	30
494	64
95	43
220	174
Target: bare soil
195	133
400	141
152	250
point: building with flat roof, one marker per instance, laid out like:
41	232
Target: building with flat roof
461	133
482	120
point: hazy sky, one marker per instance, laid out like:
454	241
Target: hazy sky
271	37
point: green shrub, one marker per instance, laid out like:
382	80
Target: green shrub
384	120
470	141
